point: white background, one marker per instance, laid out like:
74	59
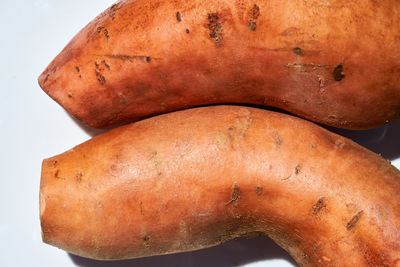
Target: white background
34	127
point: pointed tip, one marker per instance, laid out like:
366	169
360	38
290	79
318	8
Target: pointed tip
43	78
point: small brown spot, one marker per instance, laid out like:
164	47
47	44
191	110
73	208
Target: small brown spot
96	64
78	69
106	64
112	11
298	168
252	25
298	51
313	145
259	190
79	177
352	223
146	238
129	58
338	74
99	29
141	207
123	99
163	105
55	163
215	28
187	31
318	206
235	194
100	78
56	174
69	95
46	78
278	141
255	11
178	16
106	33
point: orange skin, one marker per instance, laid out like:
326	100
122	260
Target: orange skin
196	178
334	62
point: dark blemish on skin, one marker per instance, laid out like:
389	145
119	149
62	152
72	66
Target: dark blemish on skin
255	12
178	16
278	141
235	194
112	13
99	29
78	69
46	78
129	58
96	64
338	73
106	64
187	31
57	175
313	145
69	95
146	240
215	28
106	33
79	177
298	51
252	25
297	169
163	105
100	78
123	99
141	207
352	223
55	163
157	162
259	190
318	206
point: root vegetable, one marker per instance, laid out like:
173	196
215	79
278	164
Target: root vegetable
334	62
196	178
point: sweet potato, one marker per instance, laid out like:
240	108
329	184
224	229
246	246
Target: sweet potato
334	62
196	178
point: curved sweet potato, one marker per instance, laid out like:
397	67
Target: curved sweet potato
334	62
196	178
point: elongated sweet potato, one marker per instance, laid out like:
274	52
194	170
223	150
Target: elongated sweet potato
334	62
196	178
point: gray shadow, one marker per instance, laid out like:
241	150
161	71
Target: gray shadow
233	253
384	140
86	128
